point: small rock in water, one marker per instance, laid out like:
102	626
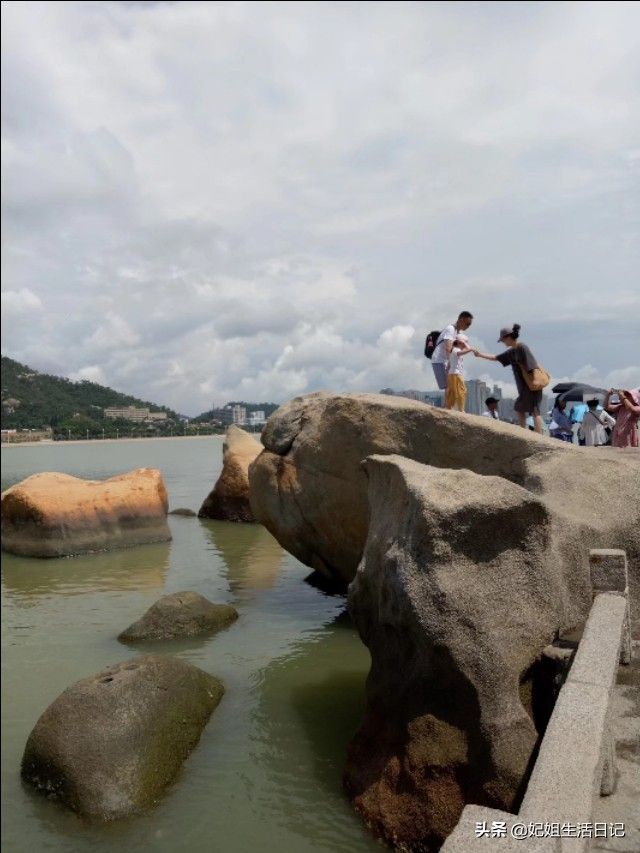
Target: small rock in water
110	744
182	510
181	614
229	498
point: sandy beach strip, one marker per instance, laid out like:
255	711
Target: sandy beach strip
63	442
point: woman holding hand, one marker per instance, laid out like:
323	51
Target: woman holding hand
520	357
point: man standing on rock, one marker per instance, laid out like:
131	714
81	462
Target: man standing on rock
442	351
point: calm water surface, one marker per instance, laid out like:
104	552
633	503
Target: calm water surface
266	773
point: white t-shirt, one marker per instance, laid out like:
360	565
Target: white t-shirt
592	427
456	363
493	415
440	353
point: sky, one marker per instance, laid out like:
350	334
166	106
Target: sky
205	202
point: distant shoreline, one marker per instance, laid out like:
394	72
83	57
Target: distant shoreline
49	443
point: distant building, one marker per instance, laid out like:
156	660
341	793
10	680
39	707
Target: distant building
256	418
412	395
133	413
506	410
230	415
239	415
477	393
434	398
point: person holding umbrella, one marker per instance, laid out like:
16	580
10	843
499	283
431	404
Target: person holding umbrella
522	360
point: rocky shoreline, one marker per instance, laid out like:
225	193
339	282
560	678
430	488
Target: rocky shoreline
463	544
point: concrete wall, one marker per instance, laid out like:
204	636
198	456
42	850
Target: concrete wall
576	761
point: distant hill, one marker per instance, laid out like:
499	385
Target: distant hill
33	400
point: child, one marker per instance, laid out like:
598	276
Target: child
456	389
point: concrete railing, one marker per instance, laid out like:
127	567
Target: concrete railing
576	761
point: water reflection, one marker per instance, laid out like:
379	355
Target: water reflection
251	556
310	706
143	567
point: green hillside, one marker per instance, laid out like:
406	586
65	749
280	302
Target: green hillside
32	400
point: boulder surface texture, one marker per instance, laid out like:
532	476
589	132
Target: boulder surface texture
229	498
109	745
464	579
55	515
310	491
465	542
180	614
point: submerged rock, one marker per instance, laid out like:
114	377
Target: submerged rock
181	614
463	581
110	744
229	499
54	515
310	492
181	510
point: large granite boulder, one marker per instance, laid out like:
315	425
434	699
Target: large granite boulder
54	515
463	581
310	491
178	615
466	541
229	498
109	745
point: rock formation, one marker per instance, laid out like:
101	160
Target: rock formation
463	581
229	499
467	542
310	492
181	614
109	745
54	515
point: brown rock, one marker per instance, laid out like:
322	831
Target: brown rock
54	515
181	614
471	546
109	745
310	492
463	580
229	499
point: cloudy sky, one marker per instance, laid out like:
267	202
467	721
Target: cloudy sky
212	201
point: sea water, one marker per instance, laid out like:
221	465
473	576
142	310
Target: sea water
266	774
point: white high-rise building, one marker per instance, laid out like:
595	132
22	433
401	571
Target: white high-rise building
239	415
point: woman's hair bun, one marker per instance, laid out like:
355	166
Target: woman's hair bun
516	327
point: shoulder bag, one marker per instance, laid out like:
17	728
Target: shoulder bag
535	379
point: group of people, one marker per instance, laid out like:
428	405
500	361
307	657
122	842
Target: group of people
615	423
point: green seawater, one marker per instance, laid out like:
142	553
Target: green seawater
266	775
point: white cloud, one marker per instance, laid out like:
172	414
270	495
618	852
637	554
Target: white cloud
90	373
19	302
256	200
623	377
114	333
